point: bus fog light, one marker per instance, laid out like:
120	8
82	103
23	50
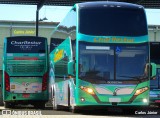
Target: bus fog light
145	100
82	99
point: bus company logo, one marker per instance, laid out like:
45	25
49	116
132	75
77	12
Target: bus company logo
25	84
6	112
58	55
25	43
114	39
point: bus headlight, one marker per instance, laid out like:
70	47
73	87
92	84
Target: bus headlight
141	90
87	89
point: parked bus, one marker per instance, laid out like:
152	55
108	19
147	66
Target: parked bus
25	71
104	58
155	81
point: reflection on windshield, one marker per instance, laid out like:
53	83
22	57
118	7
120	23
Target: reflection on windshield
130	60
155	83
99	65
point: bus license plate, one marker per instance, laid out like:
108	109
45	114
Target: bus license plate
114	100
26	95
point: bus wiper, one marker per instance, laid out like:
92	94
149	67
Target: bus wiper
139	78
95	78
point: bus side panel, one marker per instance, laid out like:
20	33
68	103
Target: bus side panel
27	73
59	59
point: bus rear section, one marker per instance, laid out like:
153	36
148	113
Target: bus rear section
25	71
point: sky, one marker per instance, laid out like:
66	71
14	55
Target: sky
28	12
54	13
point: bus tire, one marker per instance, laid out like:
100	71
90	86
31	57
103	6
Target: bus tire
69	97
74	109
12	105
39	105
1	103
7	105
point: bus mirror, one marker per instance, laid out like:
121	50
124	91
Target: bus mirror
71	68
152	70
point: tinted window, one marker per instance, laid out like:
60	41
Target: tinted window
54	43
155	83
107	21
25	45
154	52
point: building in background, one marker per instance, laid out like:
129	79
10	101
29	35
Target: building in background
21	28
154	32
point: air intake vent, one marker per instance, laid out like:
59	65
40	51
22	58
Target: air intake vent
25	66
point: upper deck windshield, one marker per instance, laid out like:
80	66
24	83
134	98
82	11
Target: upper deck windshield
112	21
25	45
99	63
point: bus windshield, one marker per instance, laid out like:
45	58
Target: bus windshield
25	45
109	21
99	63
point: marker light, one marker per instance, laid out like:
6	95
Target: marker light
82	99
145	100
7	81
44	81
88	90
141	90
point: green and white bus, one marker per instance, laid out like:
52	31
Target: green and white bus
102	60
155	81
25	71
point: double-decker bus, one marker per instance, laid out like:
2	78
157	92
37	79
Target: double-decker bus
25	71
104	58
155	81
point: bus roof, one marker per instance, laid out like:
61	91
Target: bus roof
108	4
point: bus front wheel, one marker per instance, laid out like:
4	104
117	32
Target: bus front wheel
7	104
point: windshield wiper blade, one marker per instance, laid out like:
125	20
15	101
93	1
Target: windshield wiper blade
139	78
